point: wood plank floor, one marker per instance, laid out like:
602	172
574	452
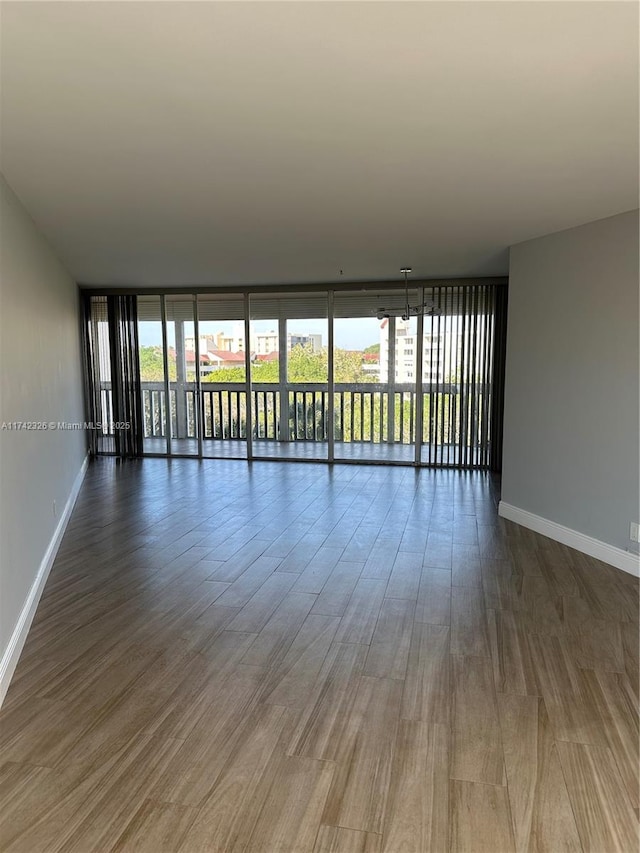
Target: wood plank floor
299	658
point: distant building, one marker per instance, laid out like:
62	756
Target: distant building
225	358
212	359
404	351
371	364
216	342
233	342
438	362
296	340
263	343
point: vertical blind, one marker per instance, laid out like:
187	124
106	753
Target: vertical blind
114	403
98	375
463	363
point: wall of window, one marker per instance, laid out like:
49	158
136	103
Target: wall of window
372	374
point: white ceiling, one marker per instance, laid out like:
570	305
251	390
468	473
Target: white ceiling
248	143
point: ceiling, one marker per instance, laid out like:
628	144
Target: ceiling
178	144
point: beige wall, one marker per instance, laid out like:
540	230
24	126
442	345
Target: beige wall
571	406
41	380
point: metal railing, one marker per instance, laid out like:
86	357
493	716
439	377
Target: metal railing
363	413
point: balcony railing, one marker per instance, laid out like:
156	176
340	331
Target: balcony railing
363	413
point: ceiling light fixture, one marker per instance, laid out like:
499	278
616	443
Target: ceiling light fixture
427	310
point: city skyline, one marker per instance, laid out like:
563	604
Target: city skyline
362	332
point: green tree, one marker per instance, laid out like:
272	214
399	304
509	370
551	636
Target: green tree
303	365
225	374
265	371
152	365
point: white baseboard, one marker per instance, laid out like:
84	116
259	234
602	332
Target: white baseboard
18	638
625	560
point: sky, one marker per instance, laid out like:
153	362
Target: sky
354	334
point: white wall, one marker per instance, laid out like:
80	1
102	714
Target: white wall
41	380
571	406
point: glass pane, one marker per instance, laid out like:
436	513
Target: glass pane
264	351
375	375
222	376
404	403
307	384
307	358
152	384
265	379
360	403
289	376
182	375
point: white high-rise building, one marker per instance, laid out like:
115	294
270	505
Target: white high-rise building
263	343
438	358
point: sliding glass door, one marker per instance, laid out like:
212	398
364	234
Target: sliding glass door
375	357
371	375
222	376
153	377
182	356
289	376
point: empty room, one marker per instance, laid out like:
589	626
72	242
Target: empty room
319	427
